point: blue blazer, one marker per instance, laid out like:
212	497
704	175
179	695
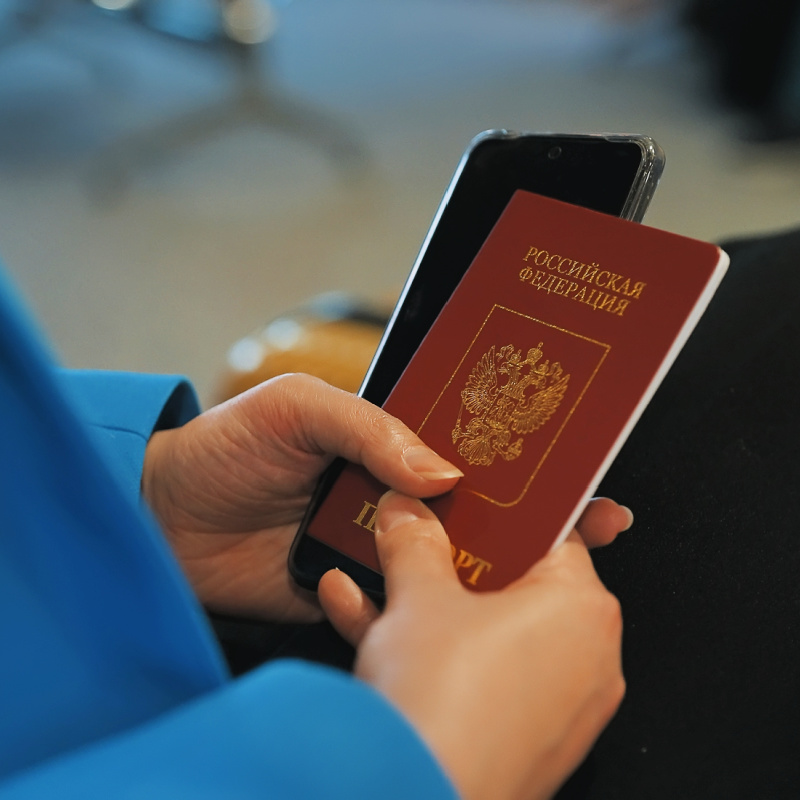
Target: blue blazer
111	682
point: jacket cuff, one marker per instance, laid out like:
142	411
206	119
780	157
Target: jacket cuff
121	410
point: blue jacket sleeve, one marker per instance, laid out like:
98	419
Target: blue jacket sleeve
111	685
121	410
286	731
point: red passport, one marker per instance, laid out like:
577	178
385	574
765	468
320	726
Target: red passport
532	377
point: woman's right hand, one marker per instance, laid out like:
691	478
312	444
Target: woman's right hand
510	688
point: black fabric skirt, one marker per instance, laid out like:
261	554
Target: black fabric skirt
709	575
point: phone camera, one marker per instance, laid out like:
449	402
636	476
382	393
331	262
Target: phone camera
553	153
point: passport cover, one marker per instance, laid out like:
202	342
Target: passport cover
532	377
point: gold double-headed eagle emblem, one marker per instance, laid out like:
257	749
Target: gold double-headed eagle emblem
498	410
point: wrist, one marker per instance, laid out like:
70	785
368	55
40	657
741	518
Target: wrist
152	483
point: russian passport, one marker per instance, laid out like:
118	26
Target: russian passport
532	377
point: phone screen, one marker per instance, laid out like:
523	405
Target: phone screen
611	174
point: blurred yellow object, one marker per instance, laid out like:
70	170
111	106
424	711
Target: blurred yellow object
333	337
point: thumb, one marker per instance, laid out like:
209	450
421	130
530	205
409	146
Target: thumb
413	548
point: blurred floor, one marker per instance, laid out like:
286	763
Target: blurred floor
203	245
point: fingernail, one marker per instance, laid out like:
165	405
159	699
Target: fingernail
630	517
428	465
392	514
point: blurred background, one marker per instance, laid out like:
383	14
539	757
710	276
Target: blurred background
174	174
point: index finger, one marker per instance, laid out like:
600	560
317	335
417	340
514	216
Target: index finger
602	520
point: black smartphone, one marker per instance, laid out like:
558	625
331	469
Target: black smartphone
611	173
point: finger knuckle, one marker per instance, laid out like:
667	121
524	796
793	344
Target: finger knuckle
612	609
383	435
613	695
619	689
293	382
609	614
284	393
385	428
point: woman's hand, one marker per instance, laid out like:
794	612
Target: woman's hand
230	487
509	688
